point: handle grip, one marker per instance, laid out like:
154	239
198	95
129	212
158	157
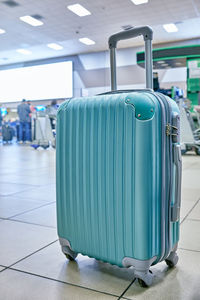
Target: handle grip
147	33
175	209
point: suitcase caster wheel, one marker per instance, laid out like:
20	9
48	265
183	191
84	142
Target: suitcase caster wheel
34	146
147	280
142	283
197	151
70	257
172	260
183	151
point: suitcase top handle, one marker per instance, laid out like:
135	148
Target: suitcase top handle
147	33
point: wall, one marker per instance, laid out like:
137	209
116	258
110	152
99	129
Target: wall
92	74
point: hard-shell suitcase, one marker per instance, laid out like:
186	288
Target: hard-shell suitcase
119	174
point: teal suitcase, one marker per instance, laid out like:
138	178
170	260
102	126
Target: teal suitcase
118	165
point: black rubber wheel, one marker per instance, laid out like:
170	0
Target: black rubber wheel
142	283
69	257
197	151
183	151
169	263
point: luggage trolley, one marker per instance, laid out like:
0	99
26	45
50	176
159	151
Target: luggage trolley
43	135
190	136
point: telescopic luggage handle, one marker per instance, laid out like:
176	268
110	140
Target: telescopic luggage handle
147	33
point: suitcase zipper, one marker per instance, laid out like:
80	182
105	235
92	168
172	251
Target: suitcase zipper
166	111
169	132
166	131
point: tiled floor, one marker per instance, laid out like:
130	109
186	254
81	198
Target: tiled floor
31	263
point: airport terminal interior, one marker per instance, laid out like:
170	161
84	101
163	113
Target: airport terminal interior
99	149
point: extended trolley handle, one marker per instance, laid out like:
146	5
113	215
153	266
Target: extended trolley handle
147	33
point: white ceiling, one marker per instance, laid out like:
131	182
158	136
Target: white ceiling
107	17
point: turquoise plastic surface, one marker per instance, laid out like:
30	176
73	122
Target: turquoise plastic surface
109	173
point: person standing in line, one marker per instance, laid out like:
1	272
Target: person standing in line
52	112
32	109
1	119
24	111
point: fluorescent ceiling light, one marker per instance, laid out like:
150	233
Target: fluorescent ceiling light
170	27
2	31
24	51
87	41
55	46
138	2
79	10
31	21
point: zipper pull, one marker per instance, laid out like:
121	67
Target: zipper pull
168	129
172	130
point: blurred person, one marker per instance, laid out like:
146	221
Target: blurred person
24	111
52	112
1	119
32	109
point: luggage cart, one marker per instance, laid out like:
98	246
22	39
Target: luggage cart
190	136
43	135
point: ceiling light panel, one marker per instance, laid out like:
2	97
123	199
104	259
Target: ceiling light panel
79	10
138	2
87	41
31	21
24	51
171	27
55	46
2	31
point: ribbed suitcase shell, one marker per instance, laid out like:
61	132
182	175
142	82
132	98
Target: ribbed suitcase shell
109	177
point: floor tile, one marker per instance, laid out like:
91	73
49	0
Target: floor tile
23	157
7	189
186	206
190	179
190	235
18	240
40	172
190	194
45	193
195	213
10	205
180	283
85	271
35	181
20	286
45	215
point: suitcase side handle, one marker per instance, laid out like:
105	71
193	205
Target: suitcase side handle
175	209
147	33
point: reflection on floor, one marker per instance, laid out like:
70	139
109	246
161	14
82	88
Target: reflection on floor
31	263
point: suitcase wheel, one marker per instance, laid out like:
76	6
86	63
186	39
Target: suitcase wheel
35	146
142	283
69	257
70	254
172	260
45	147
197	150
147	280
183	151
